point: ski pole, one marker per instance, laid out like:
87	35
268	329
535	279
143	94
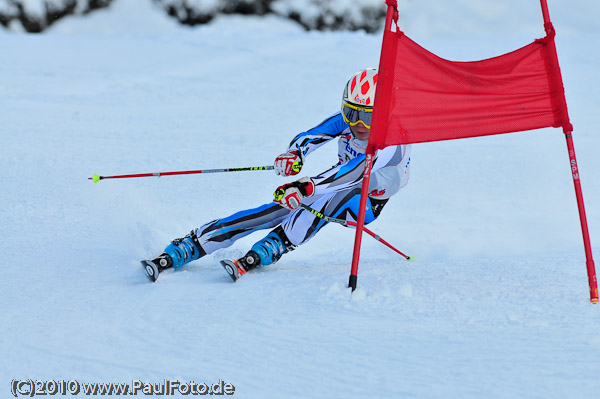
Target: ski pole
96	178
353	224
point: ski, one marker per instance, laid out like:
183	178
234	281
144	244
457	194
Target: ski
153	267
233	268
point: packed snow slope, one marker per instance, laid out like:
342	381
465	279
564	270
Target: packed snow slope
496	304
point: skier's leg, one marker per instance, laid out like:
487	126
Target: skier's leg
265	252
214	235
300	226
222	233
176	254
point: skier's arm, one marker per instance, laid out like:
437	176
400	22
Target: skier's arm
290	163
307	142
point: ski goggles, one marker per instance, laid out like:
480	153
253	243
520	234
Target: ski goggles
353	114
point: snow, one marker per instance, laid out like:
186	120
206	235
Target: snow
495	305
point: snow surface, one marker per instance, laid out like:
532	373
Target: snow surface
496	304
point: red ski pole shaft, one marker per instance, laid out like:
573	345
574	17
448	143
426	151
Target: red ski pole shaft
96	178
381	240
353	224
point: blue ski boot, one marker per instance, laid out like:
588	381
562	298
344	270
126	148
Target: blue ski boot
265	252
178	253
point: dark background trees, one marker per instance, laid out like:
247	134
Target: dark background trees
38	15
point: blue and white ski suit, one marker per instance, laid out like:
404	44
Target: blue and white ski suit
337	190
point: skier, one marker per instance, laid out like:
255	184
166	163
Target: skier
335	192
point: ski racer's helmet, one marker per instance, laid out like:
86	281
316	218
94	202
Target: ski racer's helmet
359	97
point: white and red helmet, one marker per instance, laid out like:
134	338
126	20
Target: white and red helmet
360	89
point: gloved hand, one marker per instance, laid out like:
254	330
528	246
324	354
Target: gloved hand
288	164
290	195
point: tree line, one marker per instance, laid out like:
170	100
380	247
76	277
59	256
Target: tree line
37	15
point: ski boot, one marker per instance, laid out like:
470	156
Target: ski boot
178	253
265	252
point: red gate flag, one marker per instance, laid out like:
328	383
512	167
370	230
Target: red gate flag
422	97
435	99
